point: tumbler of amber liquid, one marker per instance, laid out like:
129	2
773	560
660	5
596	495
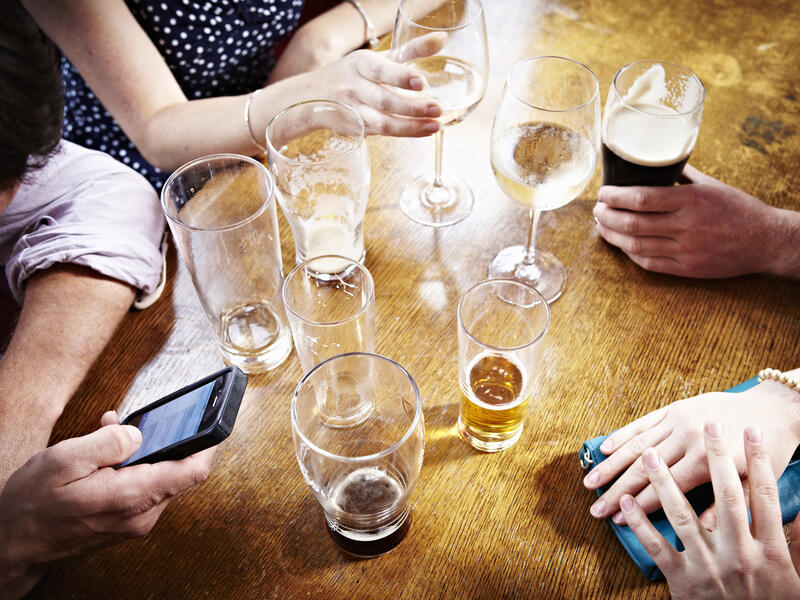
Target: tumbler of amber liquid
501	325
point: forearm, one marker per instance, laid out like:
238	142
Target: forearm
783	233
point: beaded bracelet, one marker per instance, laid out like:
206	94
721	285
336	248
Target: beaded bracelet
247	121
776	375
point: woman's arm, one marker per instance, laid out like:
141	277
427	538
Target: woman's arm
129	76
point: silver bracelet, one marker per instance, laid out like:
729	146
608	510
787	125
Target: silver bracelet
247	122
369	28
776	375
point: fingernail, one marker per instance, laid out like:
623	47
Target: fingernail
591	479
134	433
650	458
433	111
618	519
602	194
714	429
596	209
607	446
754	435
598	509
431	127
626	504
415	83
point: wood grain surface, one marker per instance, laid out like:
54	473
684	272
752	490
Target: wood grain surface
622	342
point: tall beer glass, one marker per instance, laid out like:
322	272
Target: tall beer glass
501	324
318	155
651	123
359	437
221	210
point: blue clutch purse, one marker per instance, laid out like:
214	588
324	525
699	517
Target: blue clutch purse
700	498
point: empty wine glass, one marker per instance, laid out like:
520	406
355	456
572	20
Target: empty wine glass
544	148
455	77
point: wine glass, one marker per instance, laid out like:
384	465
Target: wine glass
455	77
544	148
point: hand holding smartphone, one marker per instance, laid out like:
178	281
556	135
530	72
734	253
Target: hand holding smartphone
189	420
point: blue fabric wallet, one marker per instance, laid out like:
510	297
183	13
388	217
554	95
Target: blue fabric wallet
700	498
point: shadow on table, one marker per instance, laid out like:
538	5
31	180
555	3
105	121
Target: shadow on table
564	503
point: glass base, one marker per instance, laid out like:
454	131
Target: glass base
368	544
331	268
433	206
261	360
487	445
546	274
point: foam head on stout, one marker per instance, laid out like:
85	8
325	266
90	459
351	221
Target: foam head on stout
651	123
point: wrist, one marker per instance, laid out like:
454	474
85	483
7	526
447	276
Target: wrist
786	403
317	41
783	253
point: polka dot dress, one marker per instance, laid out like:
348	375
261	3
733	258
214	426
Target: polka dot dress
212	47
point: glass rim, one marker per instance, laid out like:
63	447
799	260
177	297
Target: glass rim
511	281
355	315
216	157
368	457
679	115
321	101
552	110
454	28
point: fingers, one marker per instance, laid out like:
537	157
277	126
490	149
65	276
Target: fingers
632	429
660	264
642	199
109	417
794	544
728	495
424	45
633	223
633	480
708	518
676	507
379	69
628	450
765	506
663	554
385	100
688	473
78	457
386	124
645	246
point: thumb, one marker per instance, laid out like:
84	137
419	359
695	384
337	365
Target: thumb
78	457
794	543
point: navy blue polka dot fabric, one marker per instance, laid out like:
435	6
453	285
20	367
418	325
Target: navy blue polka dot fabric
213	47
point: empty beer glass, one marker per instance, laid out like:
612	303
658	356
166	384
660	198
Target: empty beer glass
330	316
318	155
501	323
221	211
359	438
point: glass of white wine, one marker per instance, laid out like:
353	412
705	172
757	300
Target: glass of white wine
544	148
455	77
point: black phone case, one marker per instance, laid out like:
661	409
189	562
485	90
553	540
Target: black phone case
232	394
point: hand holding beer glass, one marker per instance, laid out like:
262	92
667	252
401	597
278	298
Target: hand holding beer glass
359	437
501	324
544	147
651	123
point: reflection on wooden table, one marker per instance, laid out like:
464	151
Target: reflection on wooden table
622	342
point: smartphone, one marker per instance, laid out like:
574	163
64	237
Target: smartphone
194	418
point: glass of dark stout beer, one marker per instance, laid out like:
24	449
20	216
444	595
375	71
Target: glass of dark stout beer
359	437
651	123
544	147
501	325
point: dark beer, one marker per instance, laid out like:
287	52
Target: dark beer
618	171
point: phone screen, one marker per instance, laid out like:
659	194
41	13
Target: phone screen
172	422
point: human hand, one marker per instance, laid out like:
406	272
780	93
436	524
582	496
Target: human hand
676	432
736	560
67	500
371	83
703	229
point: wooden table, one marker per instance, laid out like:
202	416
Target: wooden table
622	342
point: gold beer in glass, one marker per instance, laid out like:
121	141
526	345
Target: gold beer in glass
501	324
